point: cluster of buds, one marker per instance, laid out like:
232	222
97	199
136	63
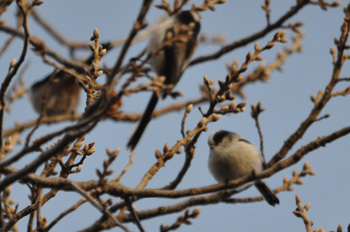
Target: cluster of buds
301	210
232	108
307	170
205	38
182	219
39	46
99	52
256	110
183	34
112	155
167	154
88	149
208	4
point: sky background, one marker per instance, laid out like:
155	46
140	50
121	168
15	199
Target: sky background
286	98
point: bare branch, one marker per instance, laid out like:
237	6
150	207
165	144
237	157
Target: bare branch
14	67
228	48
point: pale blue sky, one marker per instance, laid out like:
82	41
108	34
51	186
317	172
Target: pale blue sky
285	97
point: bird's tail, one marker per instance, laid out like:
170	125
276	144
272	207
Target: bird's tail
143	122
267	193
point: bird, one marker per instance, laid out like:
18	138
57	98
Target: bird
56	94
170	61
232	157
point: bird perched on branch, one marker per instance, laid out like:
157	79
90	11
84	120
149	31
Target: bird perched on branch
232	157
56	94
171	46
59	92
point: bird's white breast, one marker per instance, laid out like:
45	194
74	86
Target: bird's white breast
230	160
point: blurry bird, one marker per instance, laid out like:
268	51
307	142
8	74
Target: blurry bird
59	92
56	94
171	60
232	157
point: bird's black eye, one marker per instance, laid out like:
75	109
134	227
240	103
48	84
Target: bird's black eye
218	136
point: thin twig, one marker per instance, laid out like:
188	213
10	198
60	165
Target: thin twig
138	25
255	112
64	213
134	214
56	35
187	111
131	158
14	68
59	118
96	205
301	213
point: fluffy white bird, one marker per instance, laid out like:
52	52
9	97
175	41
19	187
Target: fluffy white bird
231	157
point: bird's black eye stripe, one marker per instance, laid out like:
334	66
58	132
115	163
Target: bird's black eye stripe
245	141
217	138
